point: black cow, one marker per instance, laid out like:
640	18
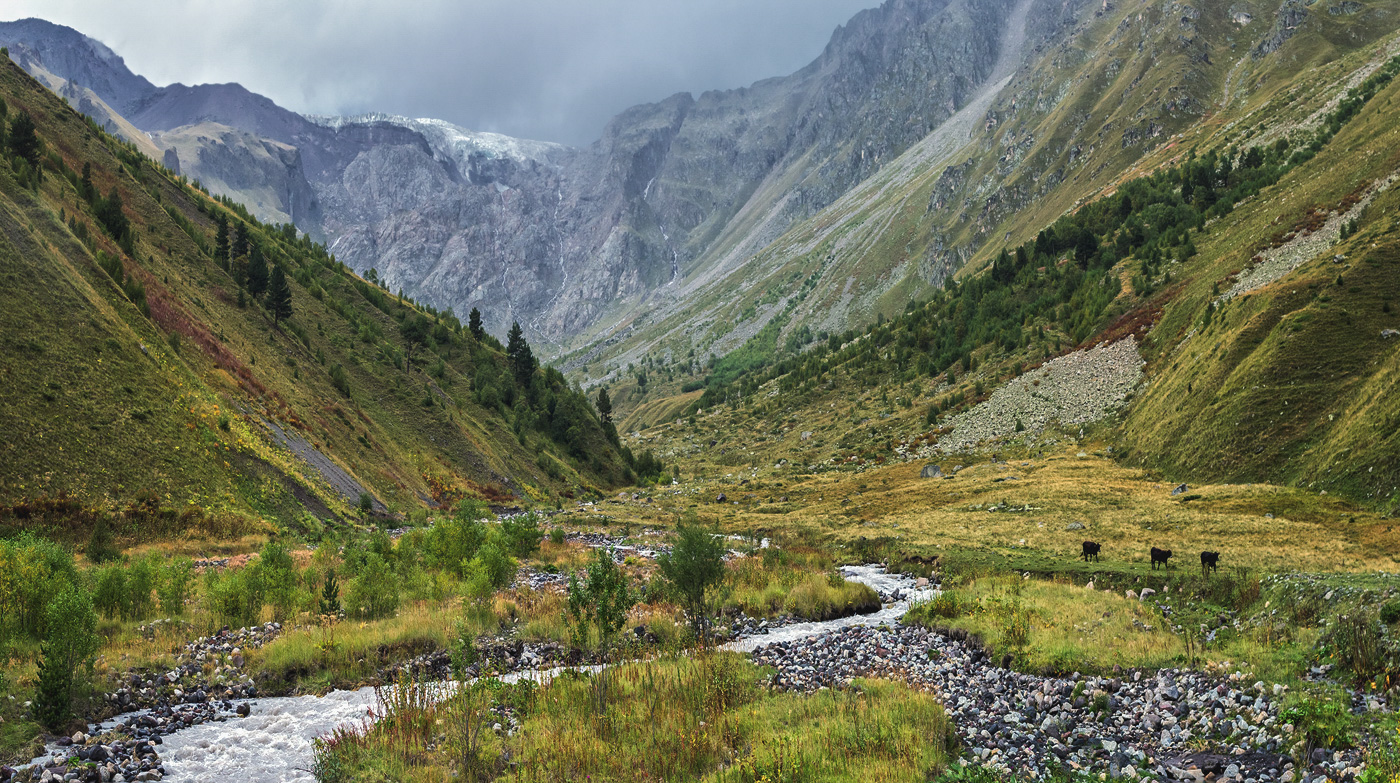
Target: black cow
1160	556
1091	549
1209	560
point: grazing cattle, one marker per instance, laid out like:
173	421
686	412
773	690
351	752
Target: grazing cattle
1091	549
1160	556
1209	560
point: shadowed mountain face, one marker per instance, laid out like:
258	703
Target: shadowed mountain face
555	237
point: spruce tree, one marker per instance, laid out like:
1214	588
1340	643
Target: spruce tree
240	240
416	331
522	359
257	272
604	406
221	240
279	295
24	142
474	324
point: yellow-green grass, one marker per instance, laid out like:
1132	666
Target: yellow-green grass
317	658
1126	509
686	718
1075	628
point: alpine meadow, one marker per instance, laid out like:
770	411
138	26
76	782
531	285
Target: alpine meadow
1012	393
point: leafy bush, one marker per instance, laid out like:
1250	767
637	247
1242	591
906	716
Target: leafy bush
1321	720
71	645
523	534
101	547
279	578
174	587
453	542
236	597
375	591
489	571
1390	612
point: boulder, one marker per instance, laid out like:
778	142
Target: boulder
1179	490
1075	526
931	471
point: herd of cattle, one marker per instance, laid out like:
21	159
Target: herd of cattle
1210	561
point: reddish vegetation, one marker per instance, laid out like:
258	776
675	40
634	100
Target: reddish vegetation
1137	321
493	493
444	494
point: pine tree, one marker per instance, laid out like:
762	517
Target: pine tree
604	406
257	272
240	240
221	240
89	192
24	142
111	215
416	331
474	324
522	360
279	295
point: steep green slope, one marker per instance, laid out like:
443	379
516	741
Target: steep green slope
1258	279
140	370
1104	95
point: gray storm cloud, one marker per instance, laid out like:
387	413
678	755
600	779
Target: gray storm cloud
547	69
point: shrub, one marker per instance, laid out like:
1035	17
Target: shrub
236	597
109	591
1390	612
523	535
71	644
489	571
557	535
101	548
142	579
375	591
174	588
279	578
453	542
948	604
695	566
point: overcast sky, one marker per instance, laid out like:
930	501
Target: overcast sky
555	70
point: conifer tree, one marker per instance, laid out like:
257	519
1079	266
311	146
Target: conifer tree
474	324
279	295
604	406
221	240
522	359
257	272
240	240
24	142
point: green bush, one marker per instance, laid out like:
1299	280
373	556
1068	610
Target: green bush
101	547
236	597
947	605
489	571
375	591
1390	612
523	535
453	542
278	573
109	591
174	587
69	649
556	535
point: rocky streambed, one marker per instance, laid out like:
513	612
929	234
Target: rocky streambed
1169	725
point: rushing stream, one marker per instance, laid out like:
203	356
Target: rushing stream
274	742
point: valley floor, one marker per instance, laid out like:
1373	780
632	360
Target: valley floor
1027	661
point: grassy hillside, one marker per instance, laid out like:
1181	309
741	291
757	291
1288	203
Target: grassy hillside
1290	381
141	370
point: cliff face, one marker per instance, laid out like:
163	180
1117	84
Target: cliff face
561	238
